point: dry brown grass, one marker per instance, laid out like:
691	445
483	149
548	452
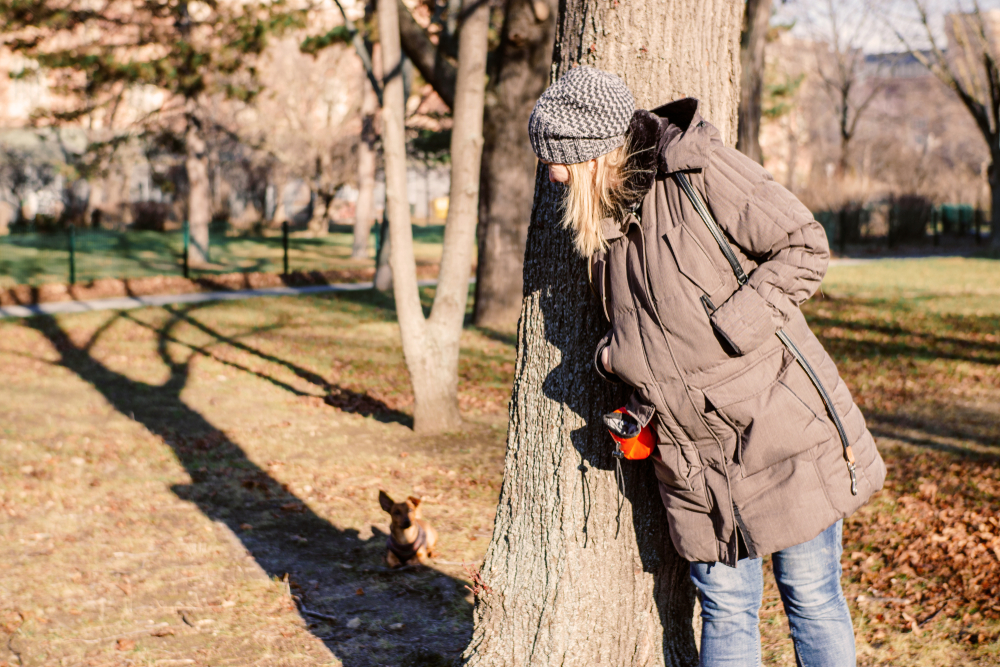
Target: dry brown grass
171	477
162	470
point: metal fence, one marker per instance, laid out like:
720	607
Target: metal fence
905	221
78	255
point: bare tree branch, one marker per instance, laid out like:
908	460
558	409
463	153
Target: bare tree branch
428	59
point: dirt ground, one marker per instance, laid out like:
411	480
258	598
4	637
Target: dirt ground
198	484
172	477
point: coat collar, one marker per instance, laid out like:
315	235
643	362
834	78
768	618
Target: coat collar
684	137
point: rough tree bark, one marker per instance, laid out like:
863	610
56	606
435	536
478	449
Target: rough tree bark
364	214
431	345
756	18
571	581
199	204
507	185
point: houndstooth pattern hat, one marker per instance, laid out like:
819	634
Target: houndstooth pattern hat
583	115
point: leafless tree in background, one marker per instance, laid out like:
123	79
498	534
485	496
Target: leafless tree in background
840	64
519	74
364	213
971	68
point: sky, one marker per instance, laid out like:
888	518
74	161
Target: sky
873	24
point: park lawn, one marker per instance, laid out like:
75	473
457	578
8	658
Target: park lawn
35	259
162	470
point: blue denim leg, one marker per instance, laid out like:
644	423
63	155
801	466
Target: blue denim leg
808	577
730	600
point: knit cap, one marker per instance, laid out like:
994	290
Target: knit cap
583	115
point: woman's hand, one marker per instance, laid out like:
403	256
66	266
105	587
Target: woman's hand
606	359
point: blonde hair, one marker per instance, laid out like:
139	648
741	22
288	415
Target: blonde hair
593	193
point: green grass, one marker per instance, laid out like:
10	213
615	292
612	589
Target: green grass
944	286
35	259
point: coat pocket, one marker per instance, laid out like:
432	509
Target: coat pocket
671	468
627	352
692	260
771	407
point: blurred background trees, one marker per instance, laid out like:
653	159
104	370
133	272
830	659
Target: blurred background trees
142	115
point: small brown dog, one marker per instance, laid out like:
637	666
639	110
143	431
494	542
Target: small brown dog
411	539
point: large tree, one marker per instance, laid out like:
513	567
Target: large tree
519	74
431	345
571	577
112	59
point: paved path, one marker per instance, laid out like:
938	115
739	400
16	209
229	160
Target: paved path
128	302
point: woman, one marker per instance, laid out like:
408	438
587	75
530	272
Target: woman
761	449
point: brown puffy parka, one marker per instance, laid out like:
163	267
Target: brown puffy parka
749	459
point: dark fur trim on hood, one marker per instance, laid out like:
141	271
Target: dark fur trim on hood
643	132
670	138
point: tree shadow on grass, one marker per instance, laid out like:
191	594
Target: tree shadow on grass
287	538
337	396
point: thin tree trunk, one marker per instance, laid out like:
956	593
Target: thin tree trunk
994	178
280	215
571	581
431	346
319	222
507	183
95	197
383	270
199	208
755	23
364	211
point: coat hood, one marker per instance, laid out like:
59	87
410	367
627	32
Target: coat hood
670	138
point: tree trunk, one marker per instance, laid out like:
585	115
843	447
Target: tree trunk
571	580
755	23
383	270
431	346
95	198
994	178
507	183
199	208
364	210
319	221
280	215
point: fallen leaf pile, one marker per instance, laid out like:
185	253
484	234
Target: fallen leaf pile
929	546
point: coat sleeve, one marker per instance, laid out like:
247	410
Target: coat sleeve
598	366
772	226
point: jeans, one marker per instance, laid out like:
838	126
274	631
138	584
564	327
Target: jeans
808	577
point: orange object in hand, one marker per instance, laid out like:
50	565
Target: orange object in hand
634	443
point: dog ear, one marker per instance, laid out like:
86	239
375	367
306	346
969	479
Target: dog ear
385	501
415	501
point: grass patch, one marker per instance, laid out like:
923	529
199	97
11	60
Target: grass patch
34	259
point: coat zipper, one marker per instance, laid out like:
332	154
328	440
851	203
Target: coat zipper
848	452
722	451
742	279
